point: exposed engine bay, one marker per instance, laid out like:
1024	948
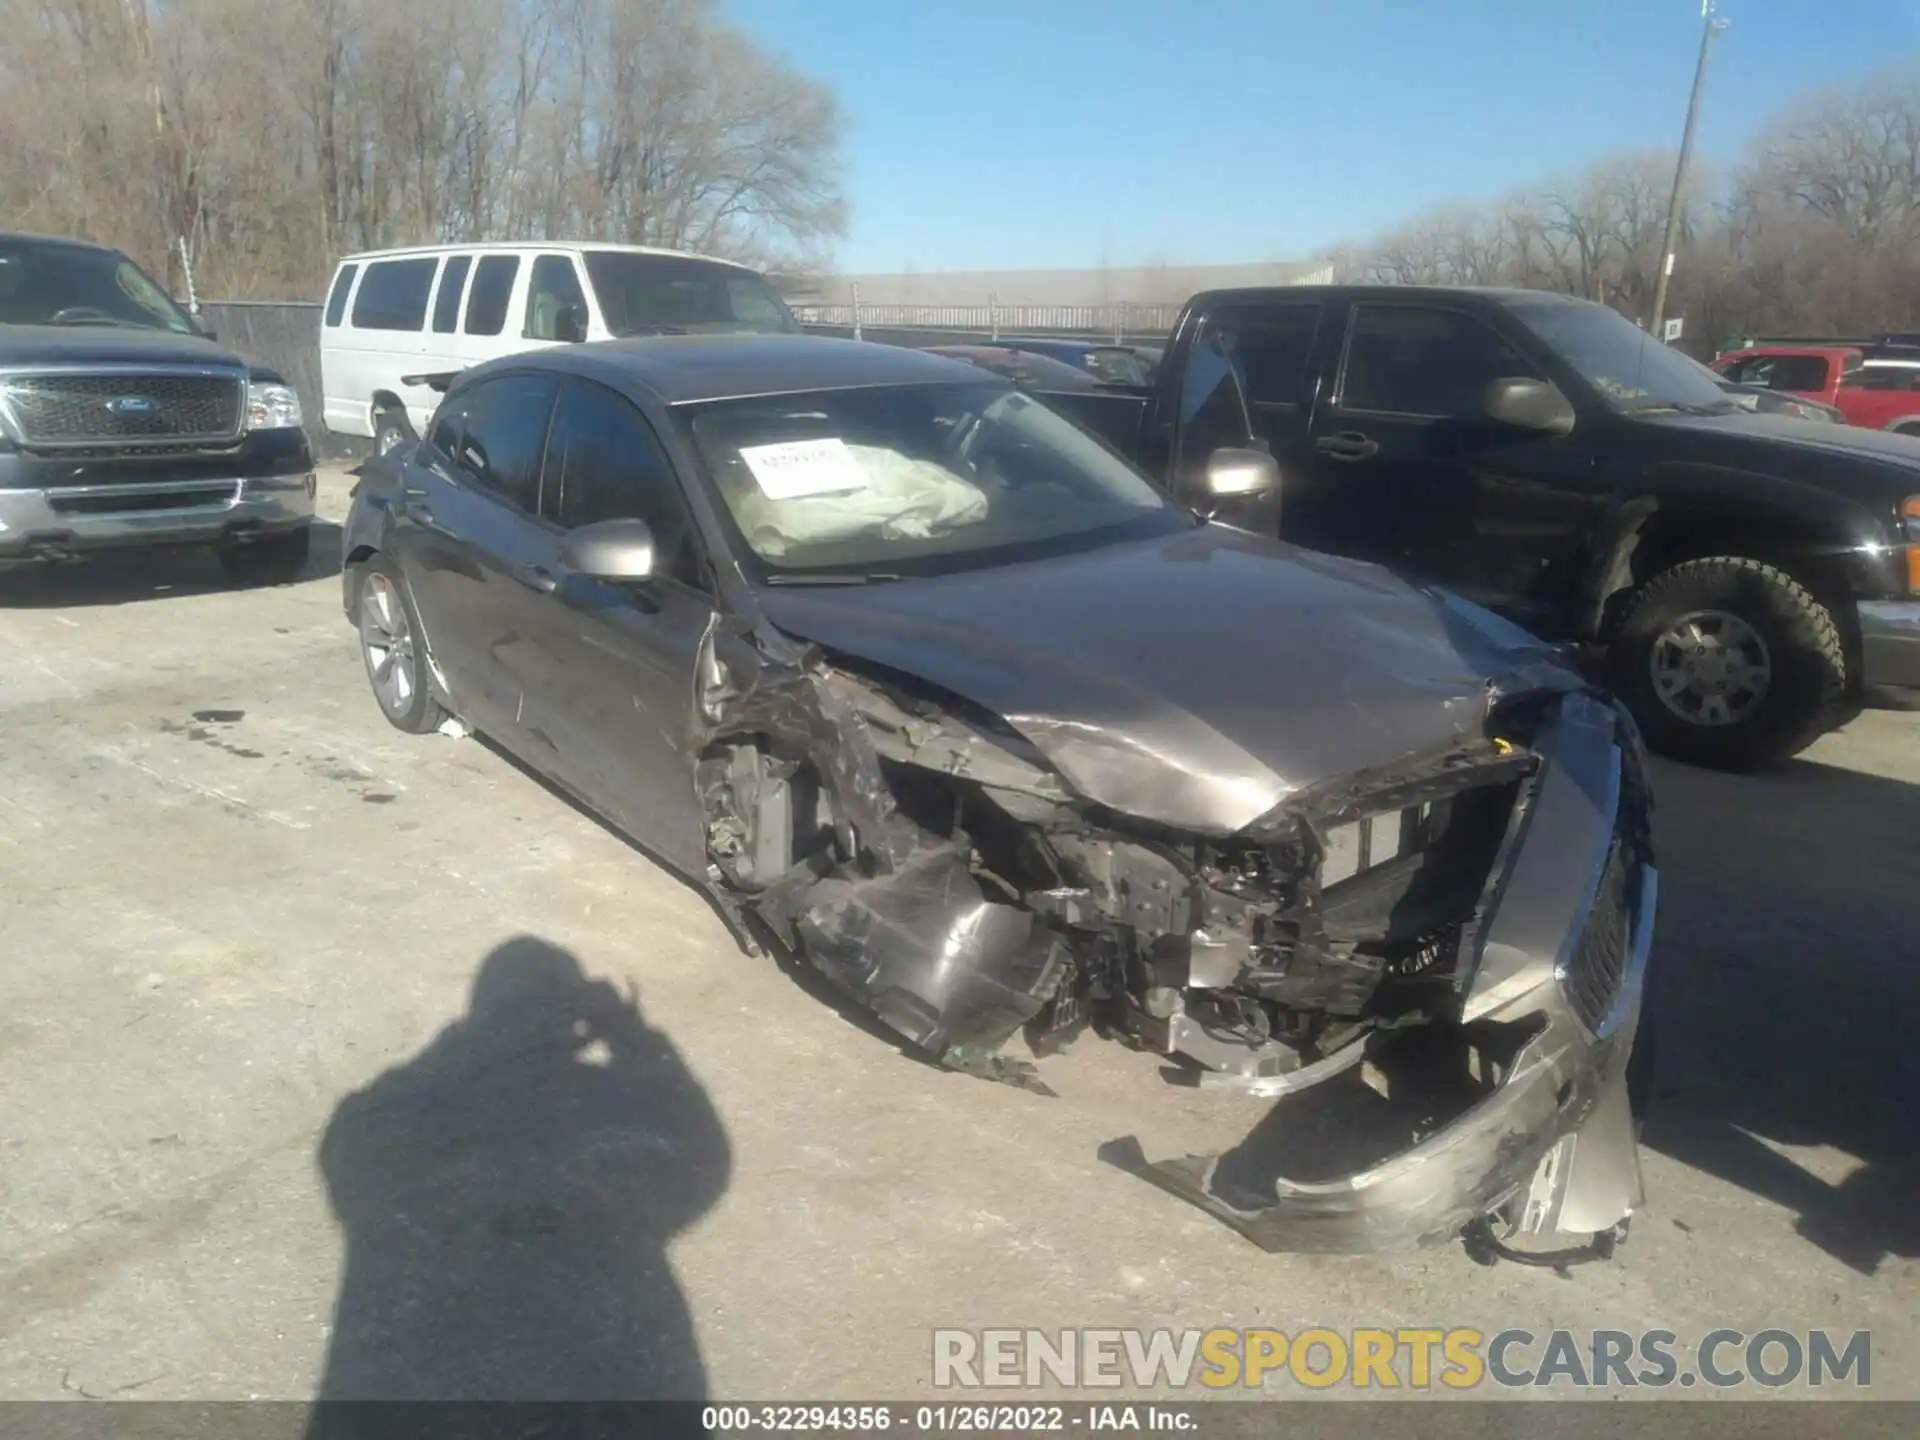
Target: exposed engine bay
928	857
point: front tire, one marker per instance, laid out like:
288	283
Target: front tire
277	560
390	431
1729	663
393	651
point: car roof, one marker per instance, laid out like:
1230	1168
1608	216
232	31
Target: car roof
529	247
686	369
13	237
1491	294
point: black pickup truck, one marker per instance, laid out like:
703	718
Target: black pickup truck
1742	577
122	423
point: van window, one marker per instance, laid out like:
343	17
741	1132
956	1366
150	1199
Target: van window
337	298
393	295
643	294
492	288
552	292
446	301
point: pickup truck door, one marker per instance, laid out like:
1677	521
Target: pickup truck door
1420	480
1879	396
1247	376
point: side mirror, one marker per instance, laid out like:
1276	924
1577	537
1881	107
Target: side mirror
617	551
1234	474
1241	488
570	325
1534	405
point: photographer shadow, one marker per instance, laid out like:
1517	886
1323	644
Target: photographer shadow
508	1196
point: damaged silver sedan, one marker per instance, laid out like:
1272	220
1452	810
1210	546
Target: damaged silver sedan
932	691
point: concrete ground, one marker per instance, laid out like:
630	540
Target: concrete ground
334	1058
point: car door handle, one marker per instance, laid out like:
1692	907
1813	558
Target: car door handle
537	577
1347	445
413	501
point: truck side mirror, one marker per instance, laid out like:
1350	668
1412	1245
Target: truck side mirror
1535	405
1241	488
570	325
1235	474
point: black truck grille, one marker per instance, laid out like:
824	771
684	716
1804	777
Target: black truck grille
66	410
140	500
1592	975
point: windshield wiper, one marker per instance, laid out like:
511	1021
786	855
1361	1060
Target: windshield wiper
1725	407
832	577
105	320
655	330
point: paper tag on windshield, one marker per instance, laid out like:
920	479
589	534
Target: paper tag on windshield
799	468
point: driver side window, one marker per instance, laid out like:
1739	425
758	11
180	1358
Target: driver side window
1422	361
605	463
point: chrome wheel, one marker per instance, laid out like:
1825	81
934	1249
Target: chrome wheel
1710	667
386	642
389	438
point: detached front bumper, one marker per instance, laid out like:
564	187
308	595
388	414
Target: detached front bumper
1890	643
1544	1146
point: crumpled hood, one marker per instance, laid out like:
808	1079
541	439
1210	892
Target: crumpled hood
28	345
1195	680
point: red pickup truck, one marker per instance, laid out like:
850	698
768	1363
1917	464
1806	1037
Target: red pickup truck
1876	394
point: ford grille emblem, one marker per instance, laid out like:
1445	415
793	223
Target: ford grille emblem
133	405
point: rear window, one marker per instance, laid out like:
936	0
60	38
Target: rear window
492	288
393	294
682	295
337	299
446	301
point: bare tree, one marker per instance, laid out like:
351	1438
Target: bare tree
272	135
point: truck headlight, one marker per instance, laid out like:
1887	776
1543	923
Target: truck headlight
272	407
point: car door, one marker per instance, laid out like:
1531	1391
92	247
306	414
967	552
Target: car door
1248	381
1448	495
473	545
611	705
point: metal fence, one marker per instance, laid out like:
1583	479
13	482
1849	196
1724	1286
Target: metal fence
1119	322
285	334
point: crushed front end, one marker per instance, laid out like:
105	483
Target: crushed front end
1451	946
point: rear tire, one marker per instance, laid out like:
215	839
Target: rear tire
1729	663
393	651
277	560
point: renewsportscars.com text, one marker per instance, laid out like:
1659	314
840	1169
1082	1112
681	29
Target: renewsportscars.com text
1382	1359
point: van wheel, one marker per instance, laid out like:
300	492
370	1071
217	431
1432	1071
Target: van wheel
1729	663
390	431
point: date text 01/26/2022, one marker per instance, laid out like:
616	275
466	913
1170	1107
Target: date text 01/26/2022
945	1419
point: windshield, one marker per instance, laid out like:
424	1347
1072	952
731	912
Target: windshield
682	295
45	283
843	486
1631	370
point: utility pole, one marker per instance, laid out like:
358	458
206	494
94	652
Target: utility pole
1711	27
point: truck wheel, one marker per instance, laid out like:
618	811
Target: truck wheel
277	560
1729	663
390	431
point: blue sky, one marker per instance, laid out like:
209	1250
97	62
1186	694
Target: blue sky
1041	133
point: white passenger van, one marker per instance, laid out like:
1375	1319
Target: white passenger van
429	309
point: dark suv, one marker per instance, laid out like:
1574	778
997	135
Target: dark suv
122	423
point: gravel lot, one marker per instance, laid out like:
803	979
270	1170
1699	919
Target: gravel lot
280	986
